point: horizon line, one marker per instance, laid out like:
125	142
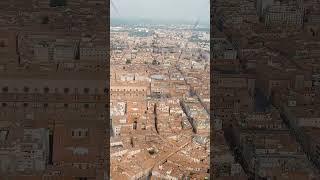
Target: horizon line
189	21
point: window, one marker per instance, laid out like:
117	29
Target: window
86	106
45	20
56	3
86	90
5	89
66	90
82	178
66	105
3	135
45	105
4	104
46	90
3	43
26	89
25	104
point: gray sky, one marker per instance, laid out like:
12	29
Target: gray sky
189	10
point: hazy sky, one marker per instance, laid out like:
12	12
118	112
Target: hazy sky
190	10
